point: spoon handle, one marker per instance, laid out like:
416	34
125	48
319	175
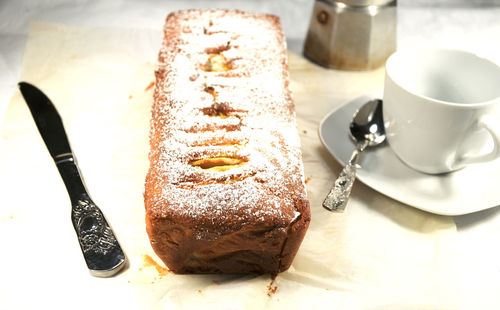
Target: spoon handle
336	200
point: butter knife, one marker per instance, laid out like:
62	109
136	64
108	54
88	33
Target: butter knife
100	248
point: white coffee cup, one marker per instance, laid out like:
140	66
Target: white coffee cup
442	108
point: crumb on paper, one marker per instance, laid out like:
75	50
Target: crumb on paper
150	85
304	131
271	289
148	261
216	282
307	180
130	97
200	291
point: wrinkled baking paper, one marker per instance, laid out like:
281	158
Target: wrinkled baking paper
379	254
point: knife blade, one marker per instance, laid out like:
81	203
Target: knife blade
102	252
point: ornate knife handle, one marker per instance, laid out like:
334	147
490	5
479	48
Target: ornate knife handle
336	200
100	248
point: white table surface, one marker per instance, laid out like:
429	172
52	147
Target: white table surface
472	25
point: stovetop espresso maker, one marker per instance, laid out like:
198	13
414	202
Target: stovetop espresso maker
352	34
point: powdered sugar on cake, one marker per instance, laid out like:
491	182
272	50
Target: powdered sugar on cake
244	113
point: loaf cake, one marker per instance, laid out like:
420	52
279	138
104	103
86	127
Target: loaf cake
225	190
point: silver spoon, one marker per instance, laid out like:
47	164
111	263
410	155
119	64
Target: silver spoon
367	129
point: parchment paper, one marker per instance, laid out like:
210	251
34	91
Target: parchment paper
379	254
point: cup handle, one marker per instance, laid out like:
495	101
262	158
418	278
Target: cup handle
492	126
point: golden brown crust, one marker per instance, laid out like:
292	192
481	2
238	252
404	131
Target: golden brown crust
225	191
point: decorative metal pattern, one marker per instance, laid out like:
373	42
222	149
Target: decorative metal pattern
338	196
94	234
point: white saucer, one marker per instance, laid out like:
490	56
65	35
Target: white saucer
471	189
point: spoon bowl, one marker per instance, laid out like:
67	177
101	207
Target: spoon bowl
368	123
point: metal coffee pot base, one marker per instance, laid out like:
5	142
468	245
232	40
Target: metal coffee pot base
352	34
